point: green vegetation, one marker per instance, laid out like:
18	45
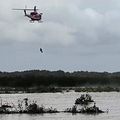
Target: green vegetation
56	81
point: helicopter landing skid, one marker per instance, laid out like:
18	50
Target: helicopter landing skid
40	21
32	21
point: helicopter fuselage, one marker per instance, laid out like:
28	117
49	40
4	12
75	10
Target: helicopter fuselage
35	16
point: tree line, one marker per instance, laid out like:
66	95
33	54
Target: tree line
58	78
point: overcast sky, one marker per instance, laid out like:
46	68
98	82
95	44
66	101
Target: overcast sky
75	35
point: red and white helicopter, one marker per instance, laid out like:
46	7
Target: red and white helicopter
34	15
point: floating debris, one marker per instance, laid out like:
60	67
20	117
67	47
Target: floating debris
25	107
72	110
87	110
82	105
84	99
92	110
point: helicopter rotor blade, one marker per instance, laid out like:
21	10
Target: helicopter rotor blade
17	9
24	9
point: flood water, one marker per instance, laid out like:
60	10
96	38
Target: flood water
61	101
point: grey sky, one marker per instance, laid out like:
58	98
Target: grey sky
75	35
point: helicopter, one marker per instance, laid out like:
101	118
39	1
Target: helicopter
41	50
34	15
